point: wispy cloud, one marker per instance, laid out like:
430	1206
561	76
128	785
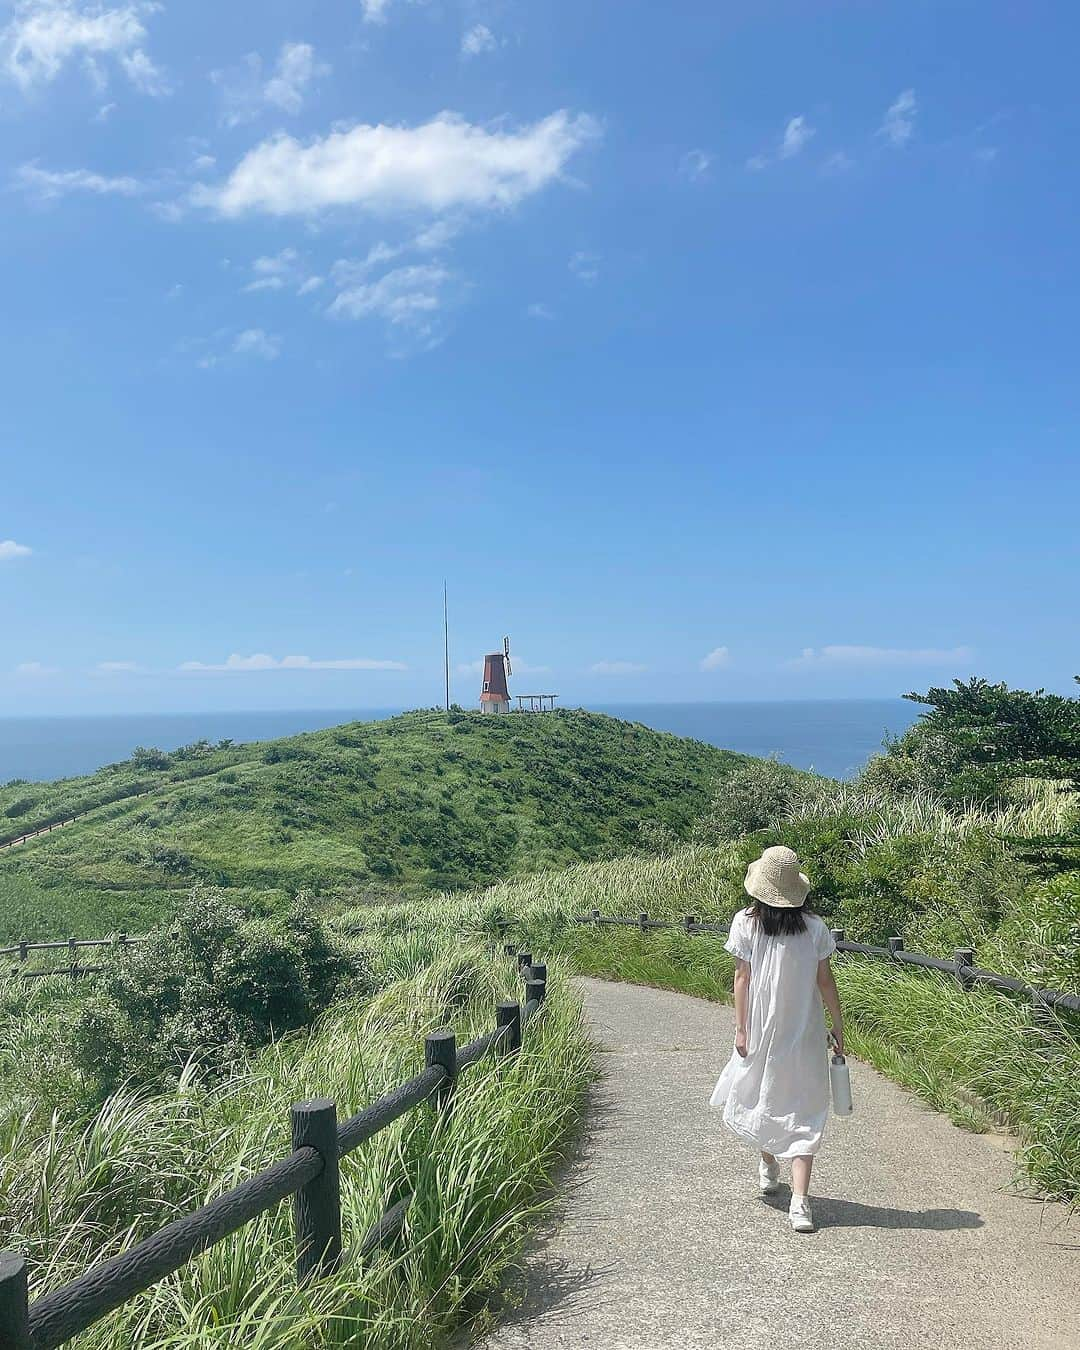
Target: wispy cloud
260	661
50	184
899	123
717	659
617	668
44	36
538	310
445	164
405	297
837	163
35	669
10	550
247	90
477	39
883	656
695	164
279	271
118	668
258	343
585	266
797	133
230	346
521	667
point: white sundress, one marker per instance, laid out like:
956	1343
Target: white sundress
777	1097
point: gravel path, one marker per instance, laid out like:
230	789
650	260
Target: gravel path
663	1241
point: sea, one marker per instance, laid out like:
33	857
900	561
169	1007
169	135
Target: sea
833	737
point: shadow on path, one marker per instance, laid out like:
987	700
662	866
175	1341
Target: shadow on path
832	1213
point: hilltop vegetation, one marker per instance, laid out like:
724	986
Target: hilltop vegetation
423	802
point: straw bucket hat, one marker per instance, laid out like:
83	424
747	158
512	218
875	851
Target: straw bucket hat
775	879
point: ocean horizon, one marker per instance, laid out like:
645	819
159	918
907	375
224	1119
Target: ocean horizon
832	736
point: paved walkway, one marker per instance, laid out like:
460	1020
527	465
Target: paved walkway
663	1241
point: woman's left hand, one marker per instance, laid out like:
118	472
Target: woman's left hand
742	1044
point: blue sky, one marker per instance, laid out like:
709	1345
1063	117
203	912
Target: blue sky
711	350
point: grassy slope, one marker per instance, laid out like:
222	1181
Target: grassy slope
422	802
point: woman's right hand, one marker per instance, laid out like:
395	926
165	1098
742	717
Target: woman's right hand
742	1044
837	1034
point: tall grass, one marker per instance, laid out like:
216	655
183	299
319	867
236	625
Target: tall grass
75	1191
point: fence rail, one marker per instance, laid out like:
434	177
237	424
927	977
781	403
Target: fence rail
309	1174
961	966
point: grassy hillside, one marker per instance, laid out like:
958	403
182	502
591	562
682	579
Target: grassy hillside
426	801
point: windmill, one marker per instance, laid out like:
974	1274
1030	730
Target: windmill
494	694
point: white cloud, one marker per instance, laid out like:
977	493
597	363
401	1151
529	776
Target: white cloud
796	134
246	94
406	297
899	123
50	184
539	310
374	11
257	342
695	164
585	266
883	656
717	659
9	549
477	39
118	668
616	668
296	68
34	669
443	164
43	36
262	661
986	154
281	270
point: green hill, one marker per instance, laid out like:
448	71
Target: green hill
426	801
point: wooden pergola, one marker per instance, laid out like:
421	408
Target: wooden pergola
536	702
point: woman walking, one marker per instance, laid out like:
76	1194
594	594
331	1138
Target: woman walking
774	1091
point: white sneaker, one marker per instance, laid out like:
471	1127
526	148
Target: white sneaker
768	1177
800	1214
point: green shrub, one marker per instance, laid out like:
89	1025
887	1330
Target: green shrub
214	986
750	797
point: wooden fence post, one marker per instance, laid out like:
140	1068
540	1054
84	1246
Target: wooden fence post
838	935
643	922
596	917
440	1047
14	1308
24	949
508	1015
896	944
317	1206
538	975
510	948
524	960
964	956
535	991
689	921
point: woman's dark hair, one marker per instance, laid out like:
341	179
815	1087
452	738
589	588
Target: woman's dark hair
774	920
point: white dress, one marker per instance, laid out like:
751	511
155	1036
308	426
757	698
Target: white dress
777	1098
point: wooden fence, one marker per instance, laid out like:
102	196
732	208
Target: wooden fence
961	966
119	942
309	1175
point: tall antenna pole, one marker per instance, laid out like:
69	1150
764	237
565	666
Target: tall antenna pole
446	645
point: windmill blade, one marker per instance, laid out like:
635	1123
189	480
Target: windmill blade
506	656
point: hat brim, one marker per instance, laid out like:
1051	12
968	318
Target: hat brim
760	888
